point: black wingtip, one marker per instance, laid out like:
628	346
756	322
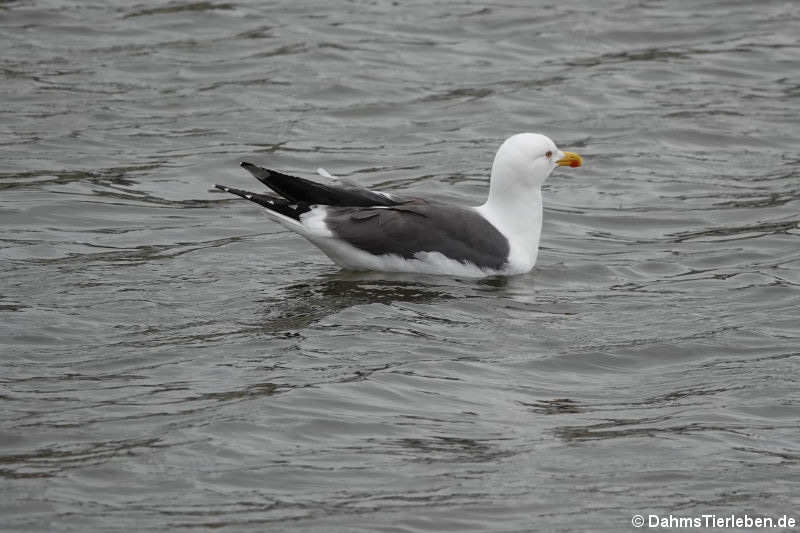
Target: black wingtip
239	192
263	175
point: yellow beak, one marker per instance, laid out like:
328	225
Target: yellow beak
570	160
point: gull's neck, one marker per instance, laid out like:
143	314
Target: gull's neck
518	216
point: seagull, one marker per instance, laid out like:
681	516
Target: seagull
362	229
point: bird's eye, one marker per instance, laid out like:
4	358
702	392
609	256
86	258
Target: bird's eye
549	154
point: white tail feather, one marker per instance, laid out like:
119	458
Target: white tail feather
325	174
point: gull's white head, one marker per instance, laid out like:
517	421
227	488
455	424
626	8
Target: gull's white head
522	164
525	160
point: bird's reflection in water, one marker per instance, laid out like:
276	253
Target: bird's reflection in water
304	304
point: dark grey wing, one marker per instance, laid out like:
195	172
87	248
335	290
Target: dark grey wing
407	229
302	190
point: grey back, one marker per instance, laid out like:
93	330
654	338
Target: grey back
458	233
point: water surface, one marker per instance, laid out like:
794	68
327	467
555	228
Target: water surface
171	359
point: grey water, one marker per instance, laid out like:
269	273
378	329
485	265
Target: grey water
173	360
